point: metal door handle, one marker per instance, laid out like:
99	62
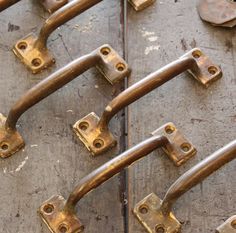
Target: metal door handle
229	226
94	132
49	5
106	59
60	214
139	5
156	215
32	50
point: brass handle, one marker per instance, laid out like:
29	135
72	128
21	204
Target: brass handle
155	214
49	5
229	226
94	132
32	50
60	215
106	59
139	5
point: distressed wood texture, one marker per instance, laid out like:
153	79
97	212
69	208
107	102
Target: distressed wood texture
157	36
53	160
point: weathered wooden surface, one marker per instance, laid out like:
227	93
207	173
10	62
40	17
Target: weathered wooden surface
156	37
53	160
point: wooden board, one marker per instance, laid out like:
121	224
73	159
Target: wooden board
155	37
53	160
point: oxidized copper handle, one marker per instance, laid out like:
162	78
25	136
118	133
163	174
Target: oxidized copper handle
155	214
60	214
49	5
32	50
94	132
106	59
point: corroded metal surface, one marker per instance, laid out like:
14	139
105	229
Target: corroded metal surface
229	226
65	214
218	12
32	50
96	135
141	4
156	214
105	58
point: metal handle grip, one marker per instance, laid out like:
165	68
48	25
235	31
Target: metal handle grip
58	212
4	4
104	58
32	50
97	137
158	213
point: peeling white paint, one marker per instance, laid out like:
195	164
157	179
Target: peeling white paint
153	38
34	145
147	33
69	110
151	48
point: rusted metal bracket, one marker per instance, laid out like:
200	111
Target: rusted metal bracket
32	50
94	132
156	215
105	58
60	215
49	5
218	12
141	4
229	226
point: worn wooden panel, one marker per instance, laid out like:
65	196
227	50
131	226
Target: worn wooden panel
157	36
53	160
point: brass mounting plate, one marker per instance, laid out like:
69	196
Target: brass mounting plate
206	71
151	217
141	4
36	60
10	141
57	220
53	5
88	132
229	226
219	13
179	149
112	65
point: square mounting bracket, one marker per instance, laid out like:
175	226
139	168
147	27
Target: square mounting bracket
94	139
229	226
53	5
10	141
36	60
151	217
111	65
205	71
56	219
179	149
141	4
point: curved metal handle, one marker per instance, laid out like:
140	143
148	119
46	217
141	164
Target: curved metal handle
158	213
93	131
104	58
49	5
139	5
32	50
59	213
229	226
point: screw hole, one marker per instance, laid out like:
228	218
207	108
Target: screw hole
105	51
48	209
98	143
212	70
169	129
233	224
197	54
143	209
63	228
4	146
36	62
120	67
84	126
185	147
22	45
159	229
